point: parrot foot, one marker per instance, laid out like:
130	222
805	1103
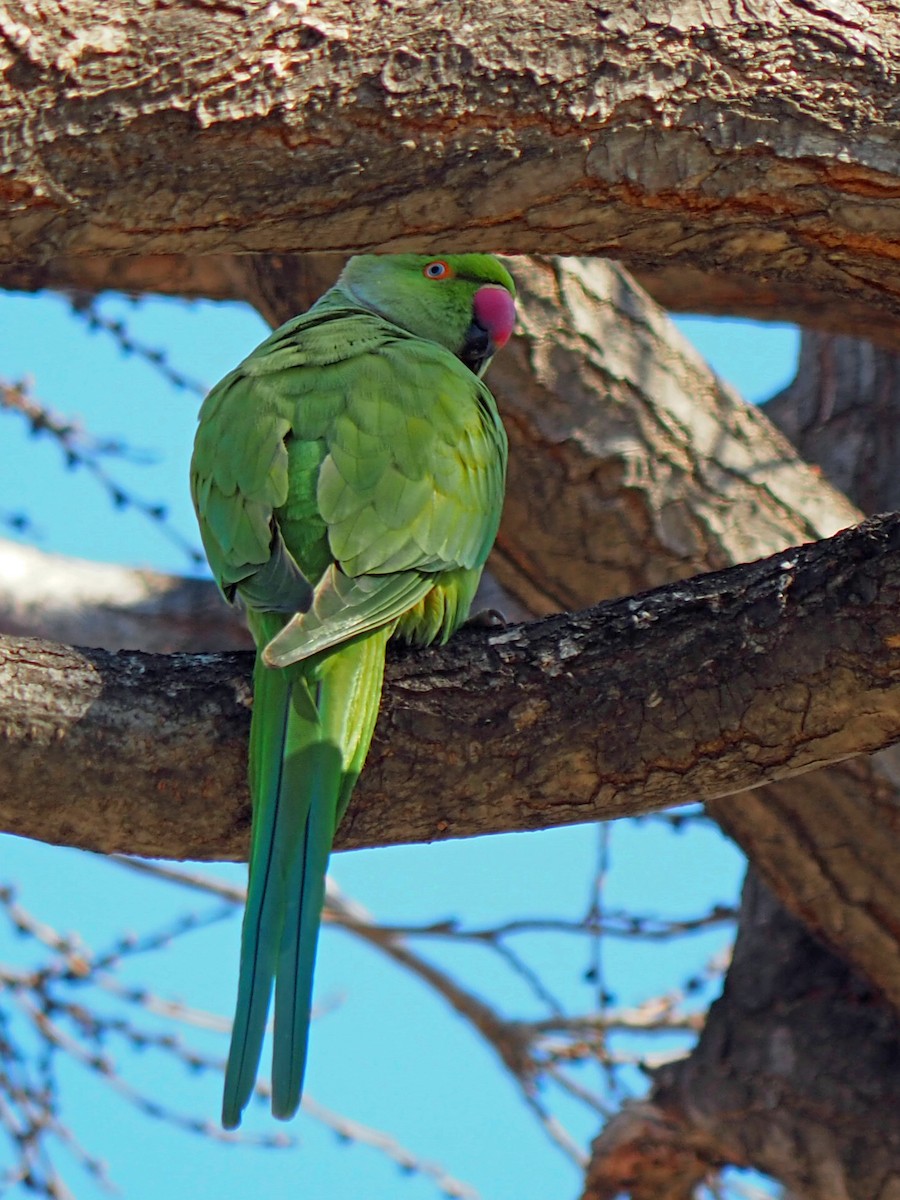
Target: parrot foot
487	618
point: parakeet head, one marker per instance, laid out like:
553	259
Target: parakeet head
463	301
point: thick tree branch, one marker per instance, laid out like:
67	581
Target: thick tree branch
784	182
631	465
803	1050
663	135
698	690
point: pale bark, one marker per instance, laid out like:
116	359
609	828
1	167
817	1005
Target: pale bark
750	142
99	604
698	690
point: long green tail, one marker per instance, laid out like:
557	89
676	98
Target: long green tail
308	743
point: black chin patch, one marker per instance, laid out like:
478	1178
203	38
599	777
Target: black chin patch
477	348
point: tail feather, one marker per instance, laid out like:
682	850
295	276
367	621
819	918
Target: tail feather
348	698
271	708
305	895
308	743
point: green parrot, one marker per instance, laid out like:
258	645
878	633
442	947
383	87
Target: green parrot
348	479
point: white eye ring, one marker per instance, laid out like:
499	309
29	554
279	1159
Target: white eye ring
436	270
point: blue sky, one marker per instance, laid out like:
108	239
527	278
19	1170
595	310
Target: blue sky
386	1051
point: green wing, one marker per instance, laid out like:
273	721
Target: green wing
348	477
343	492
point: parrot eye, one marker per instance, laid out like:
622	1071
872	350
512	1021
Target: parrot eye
437	270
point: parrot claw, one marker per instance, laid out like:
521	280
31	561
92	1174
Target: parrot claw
487	618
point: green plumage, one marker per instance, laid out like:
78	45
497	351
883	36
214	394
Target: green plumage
348	479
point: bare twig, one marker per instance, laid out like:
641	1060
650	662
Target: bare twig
86	306
81	449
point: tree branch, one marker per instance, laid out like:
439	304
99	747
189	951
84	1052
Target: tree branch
802	1049
696	690
99	604
664	137
827	843
798	1043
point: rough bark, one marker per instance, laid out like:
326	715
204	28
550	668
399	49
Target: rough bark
756	141
631	465
797	1074
808	1054
799	1044
681	287
210	276
828	844
842	412
768	196
667	475
769	669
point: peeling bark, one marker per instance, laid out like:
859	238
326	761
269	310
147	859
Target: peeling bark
757	142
